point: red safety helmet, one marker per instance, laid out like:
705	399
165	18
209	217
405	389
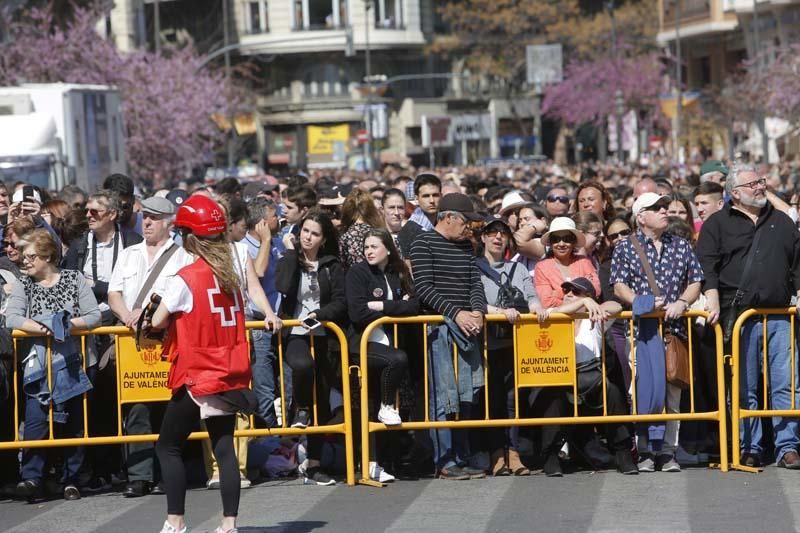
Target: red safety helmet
201	215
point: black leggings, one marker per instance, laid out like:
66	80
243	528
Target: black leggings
392	363
180	419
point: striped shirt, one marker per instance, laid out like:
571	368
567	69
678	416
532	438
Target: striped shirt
446	277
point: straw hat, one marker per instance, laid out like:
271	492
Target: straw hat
560	224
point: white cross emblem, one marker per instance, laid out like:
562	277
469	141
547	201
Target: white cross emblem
221	309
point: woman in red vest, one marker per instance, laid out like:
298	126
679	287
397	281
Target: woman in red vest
210	372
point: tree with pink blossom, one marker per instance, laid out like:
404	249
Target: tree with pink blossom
588	91
168	99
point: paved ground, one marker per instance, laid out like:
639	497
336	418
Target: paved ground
694	500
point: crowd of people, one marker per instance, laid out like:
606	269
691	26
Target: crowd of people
462	243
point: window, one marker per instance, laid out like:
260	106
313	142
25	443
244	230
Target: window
320	14
256	16
389	14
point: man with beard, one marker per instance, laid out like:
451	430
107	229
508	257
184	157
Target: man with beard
750	253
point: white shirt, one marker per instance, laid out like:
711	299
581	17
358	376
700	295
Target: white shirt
133	268
178	297
589	340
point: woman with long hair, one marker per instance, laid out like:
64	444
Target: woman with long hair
359	216
210	360
311	280
380	286
593	196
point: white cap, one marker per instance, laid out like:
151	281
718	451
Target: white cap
511	201
646	200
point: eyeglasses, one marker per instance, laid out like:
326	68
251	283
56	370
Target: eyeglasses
761	182
568	238
30	257
621	233
562	199
595	234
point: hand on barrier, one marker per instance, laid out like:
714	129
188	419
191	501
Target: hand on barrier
272	322
512	315
470	322
144	327
675	310
659	305
542	313
133	318
712	307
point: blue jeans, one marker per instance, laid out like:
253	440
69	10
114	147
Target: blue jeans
263	367
446	398
37	428
751	361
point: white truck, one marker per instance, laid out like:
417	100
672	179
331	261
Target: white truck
54	134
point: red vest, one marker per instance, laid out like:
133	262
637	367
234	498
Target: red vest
208	345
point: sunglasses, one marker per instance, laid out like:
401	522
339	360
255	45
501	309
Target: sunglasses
568	238
562	199
96	213
573	290
621	233
657	207
6	244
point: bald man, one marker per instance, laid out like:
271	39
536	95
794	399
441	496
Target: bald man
644	185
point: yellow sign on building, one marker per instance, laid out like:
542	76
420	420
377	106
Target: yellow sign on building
142	374
546	354
327	140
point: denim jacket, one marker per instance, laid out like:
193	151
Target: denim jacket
68	377
446	394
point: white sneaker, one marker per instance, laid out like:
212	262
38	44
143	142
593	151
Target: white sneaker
213	483
244	483
389	415
377	473
168	528
278	415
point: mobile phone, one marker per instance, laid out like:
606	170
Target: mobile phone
311	323
27	192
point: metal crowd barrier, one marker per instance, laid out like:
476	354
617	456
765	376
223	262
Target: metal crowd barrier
737	411
152	382
369	427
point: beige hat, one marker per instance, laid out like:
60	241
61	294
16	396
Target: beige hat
560	224
513	200
646	200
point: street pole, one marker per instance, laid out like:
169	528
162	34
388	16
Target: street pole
676	126
368	79
762	119
619	107
618	98
157	26
537	119
226	41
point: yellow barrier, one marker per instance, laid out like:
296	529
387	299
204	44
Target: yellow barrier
345	428
368	427
737	412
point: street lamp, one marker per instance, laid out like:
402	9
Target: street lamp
619	107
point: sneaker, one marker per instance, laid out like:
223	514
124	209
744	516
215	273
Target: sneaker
453	473
29	489
667	463
479	461
98	484
474	473
646	463
302	419
244	483
276	403
377	473
389	415
213	483
625	464
316	476
168	528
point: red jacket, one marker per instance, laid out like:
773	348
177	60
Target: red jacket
208	345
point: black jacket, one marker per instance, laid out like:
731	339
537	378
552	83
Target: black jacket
365	284
726	239
333	304
79	250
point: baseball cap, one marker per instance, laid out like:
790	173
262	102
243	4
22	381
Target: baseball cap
499	220
17	196
460	203
581	284
646	200
158	206
714	165
177	196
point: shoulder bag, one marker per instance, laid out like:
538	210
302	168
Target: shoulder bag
676	352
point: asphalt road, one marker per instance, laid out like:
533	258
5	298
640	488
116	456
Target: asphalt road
696	499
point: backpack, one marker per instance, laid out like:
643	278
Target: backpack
508	296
